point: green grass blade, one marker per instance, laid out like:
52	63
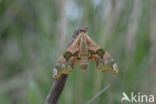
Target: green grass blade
98	94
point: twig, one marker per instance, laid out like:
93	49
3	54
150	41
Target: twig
55	92
98	94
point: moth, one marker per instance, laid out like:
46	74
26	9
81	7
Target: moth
81	50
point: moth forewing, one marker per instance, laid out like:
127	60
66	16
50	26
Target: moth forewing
91	44
103	59
67	60
108	64
74	46
62	67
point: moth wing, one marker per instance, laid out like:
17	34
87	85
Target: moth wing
103	59
67	60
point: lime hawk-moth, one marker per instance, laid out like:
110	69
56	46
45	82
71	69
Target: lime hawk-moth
81	50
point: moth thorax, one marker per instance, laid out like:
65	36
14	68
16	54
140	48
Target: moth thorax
83	43
83	49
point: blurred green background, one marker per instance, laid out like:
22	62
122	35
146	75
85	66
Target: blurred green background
34	33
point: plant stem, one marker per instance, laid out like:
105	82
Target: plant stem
55	92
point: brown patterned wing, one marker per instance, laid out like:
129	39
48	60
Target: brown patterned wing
67	60
103	59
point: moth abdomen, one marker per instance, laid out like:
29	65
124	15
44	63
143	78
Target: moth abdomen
84	66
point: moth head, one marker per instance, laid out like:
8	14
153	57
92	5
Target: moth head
78	31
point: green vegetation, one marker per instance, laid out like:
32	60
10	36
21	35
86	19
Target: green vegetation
33	34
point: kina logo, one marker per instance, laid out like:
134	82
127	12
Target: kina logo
125	97
138	98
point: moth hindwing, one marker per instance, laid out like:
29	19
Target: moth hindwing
81	50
